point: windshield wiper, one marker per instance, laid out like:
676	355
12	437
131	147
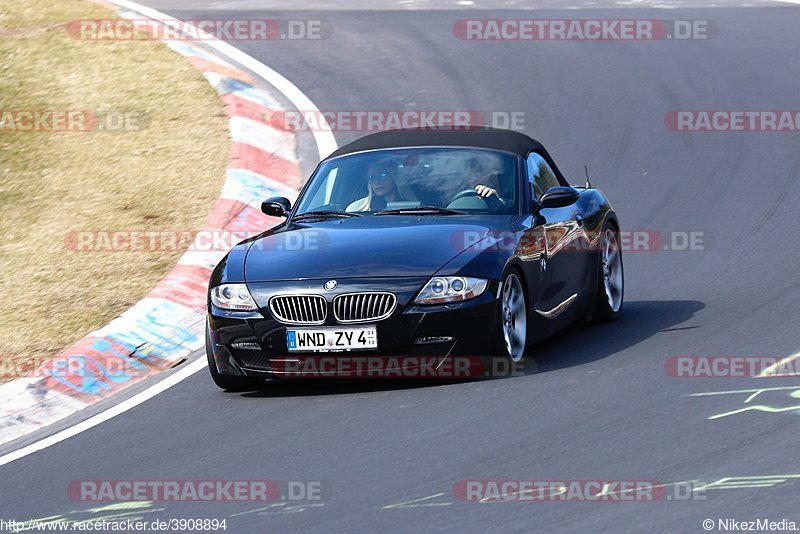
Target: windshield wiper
420	210
323	214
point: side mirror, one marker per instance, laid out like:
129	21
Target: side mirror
559	197
276	206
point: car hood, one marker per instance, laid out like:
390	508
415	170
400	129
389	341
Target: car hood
383	246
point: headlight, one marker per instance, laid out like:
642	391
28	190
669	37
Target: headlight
442	289
233	297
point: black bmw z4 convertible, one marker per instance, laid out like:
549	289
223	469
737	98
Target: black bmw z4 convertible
419	246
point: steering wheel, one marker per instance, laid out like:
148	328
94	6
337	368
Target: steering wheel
491	201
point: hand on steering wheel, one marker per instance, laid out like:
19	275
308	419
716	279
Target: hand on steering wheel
484	191
491	197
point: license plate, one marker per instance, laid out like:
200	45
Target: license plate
331	339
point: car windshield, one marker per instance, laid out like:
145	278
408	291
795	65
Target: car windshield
426	181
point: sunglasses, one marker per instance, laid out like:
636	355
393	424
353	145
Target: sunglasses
380	177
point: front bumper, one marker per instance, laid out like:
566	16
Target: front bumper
414	337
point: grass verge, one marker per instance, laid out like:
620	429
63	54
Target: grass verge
161	171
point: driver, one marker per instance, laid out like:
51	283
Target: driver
483	180
384	186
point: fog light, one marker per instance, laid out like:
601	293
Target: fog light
246	346
432	339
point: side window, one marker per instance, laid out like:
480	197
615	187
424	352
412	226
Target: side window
540	175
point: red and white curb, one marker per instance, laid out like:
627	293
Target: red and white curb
162	329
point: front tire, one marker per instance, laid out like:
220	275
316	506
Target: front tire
229	382
513	322
611	277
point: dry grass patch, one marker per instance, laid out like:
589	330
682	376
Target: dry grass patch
165	176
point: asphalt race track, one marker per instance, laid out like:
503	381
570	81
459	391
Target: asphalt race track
596	402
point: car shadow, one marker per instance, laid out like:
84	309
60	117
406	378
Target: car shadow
577	344
582	343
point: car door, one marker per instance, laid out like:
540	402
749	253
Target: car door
562	264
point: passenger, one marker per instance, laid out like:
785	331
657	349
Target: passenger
384	186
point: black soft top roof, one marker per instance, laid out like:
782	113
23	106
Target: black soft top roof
491	138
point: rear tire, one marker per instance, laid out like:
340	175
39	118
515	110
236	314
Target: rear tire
229	382
610	277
